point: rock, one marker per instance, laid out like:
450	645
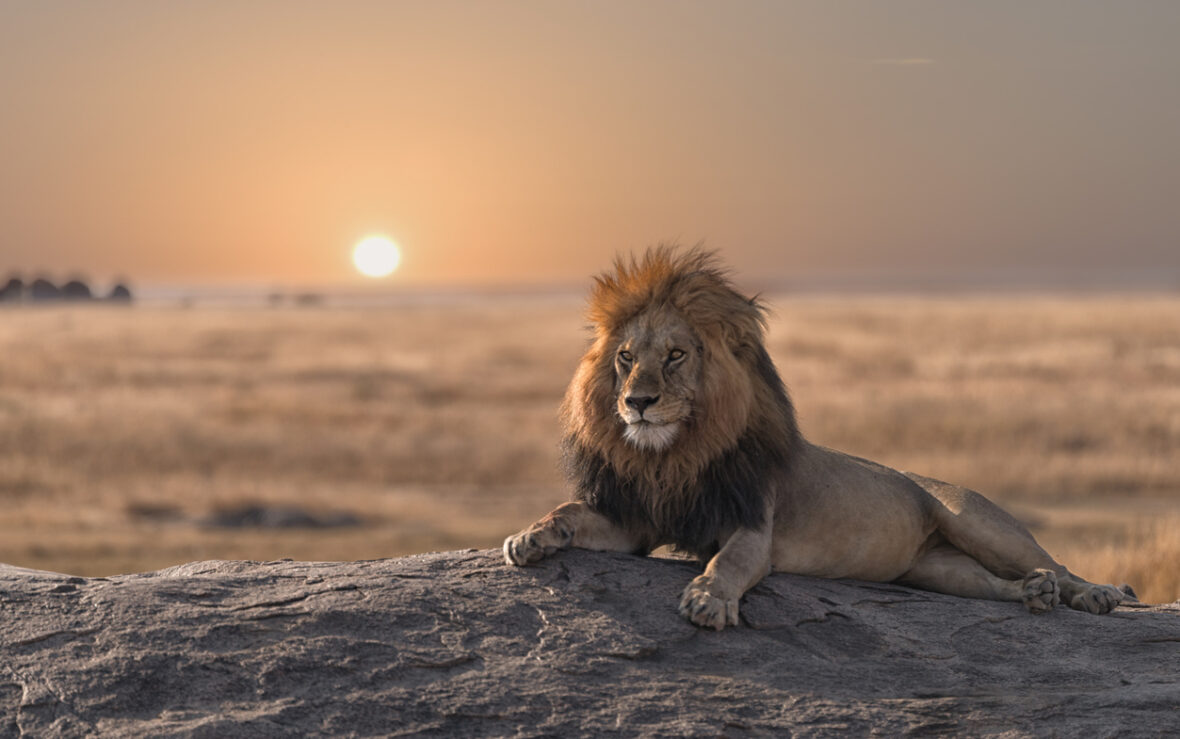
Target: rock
257	515
585	643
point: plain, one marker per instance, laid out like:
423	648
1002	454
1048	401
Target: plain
136	438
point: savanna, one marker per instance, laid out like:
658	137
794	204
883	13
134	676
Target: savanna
137	438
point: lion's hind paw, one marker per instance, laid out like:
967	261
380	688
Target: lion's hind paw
1097	599
703	608
1041	593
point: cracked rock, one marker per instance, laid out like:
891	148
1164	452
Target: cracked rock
458	643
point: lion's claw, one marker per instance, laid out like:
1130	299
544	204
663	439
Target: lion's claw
702	608
514	552
1041	593
523	549
1097	599
535	544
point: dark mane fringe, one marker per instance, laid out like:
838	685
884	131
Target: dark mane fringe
785	427
732	492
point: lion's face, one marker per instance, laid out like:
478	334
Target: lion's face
658	369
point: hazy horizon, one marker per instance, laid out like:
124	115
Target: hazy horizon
526	143
246	293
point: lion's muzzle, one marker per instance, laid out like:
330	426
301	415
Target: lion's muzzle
640	402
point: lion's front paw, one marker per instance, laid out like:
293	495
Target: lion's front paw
536	543
1097	599
704	608
1041	593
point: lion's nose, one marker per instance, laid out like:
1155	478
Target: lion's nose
640	402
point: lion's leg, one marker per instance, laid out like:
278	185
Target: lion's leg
568	525
983	530
944	569
711	599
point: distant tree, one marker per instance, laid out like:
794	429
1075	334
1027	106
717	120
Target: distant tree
43	289
120	293
13	291
76	290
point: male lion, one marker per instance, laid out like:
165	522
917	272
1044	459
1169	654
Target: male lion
679	431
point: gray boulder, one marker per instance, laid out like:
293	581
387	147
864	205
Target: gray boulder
458	644
258	515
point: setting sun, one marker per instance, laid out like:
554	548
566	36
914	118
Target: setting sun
376	256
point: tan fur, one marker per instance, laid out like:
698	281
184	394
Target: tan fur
827	514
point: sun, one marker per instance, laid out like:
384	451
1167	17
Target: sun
376	256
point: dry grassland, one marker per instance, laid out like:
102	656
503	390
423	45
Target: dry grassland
123	431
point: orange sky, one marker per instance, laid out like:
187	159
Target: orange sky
510	142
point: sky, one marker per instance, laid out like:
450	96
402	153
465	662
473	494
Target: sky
527	143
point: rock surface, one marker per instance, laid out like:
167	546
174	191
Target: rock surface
460	644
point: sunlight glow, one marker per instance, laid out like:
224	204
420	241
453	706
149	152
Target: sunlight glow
376	256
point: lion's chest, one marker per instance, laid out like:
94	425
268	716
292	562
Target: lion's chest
729	494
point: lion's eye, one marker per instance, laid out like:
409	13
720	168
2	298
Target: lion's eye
626	356
674	355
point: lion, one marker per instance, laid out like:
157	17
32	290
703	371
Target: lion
679	431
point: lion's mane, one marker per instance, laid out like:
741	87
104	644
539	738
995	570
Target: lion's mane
720	471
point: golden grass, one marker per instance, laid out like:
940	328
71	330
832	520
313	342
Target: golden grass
120	429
